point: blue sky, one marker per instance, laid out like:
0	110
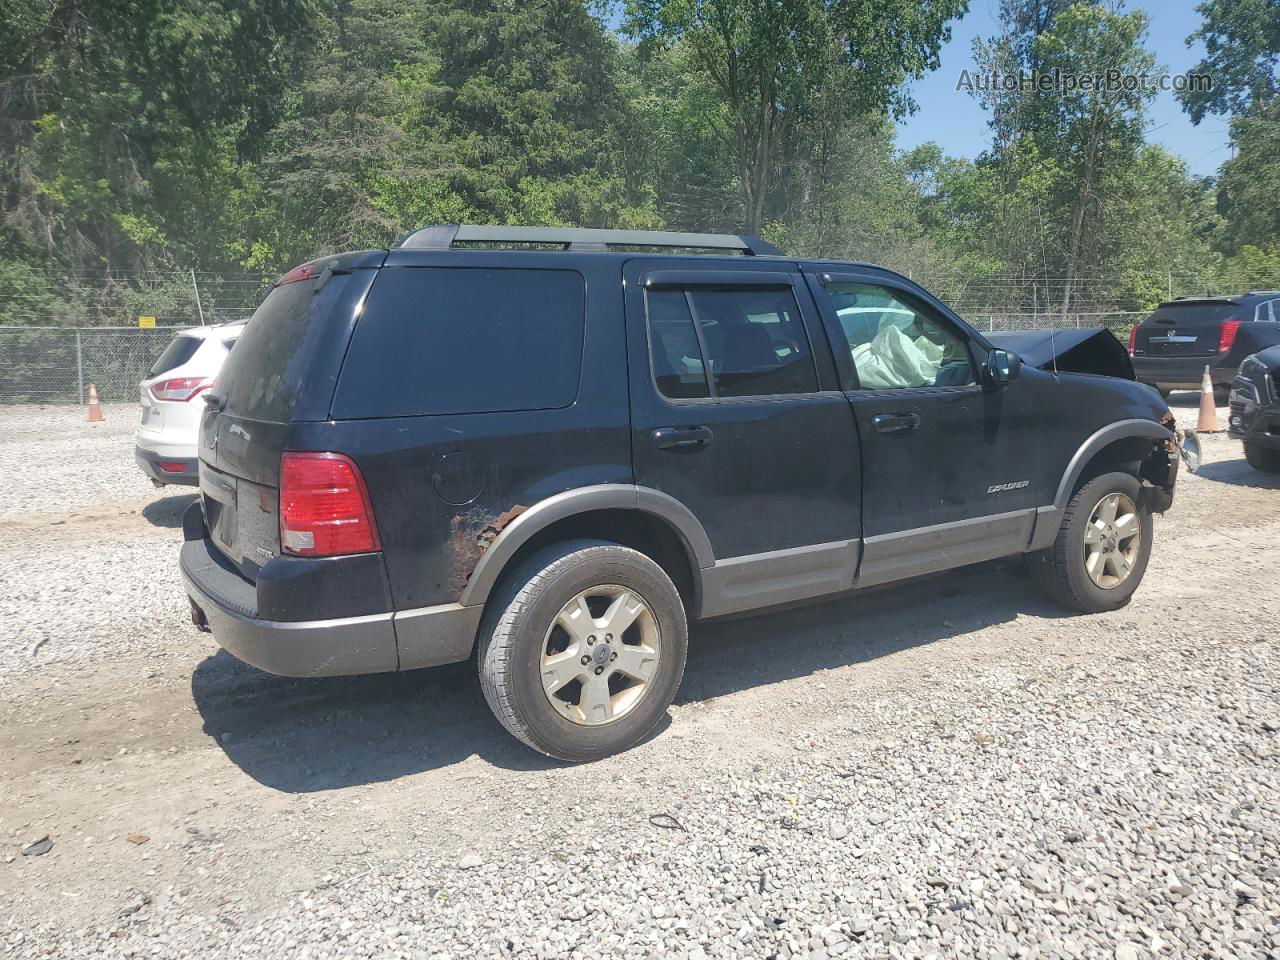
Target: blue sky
954	120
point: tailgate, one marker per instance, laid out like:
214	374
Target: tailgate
239	485
282	370
1183	329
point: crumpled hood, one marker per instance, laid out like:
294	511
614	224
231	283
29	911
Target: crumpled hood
1091	350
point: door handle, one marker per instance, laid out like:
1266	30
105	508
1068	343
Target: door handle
896	422
681	438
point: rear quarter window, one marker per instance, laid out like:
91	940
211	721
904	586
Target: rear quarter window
450	340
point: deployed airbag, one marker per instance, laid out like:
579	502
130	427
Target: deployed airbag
892	359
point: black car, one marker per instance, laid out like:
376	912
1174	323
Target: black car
1171	348
553	448
1255	409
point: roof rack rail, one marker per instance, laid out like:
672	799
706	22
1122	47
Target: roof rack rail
445	235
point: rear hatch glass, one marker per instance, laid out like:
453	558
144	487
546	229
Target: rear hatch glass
1186	328
260	379
179	351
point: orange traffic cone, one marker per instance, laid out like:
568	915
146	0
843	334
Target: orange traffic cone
95	408
1208	422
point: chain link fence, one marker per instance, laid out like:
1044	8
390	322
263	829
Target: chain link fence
57	364
1117	321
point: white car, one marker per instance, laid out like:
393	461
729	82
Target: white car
165	444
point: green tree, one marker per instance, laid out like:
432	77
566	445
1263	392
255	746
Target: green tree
1242	49
340	146
97	98
1249	184
771	61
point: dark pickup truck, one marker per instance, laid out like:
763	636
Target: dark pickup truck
552	449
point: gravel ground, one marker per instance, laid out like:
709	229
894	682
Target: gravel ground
952	768
76	512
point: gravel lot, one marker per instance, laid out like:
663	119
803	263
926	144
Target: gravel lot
952	768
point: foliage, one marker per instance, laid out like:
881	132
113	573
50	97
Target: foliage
779	64
1242	48
142	138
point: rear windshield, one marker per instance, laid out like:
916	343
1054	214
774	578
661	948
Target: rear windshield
178	352
437	340
259	380
1193	311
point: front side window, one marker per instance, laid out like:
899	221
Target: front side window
895	343
729	343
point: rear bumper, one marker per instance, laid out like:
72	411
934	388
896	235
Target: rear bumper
226	604
149	461
1180	373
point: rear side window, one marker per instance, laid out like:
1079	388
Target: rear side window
178	352
445	340
750	341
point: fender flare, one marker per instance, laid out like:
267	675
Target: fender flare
1120	430
604	496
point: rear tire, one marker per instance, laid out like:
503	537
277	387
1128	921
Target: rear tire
555	611
1064	569
1266	459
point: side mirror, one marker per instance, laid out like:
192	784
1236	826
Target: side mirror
1189	450
1002	367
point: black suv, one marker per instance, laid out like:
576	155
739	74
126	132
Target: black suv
1172	347
553	448
1255	409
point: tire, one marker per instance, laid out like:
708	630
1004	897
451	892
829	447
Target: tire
1266	459
522	636
1061	569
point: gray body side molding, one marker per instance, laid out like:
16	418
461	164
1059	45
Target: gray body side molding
1112	432
912	553
760	580
604	496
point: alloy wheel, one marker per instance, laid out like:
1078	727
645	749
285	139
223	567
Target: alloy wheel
600	655
1111	540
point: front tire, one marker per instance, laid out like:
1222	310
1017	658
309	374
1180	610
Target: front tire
582	649
1266	459
1102	548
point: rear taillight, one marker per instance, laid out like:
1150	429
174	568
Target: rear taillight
324	506
172	466
1227	338
180	388
1133	338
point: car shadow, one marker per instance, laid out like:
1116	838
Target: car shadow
167	511
309	735
1239	473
